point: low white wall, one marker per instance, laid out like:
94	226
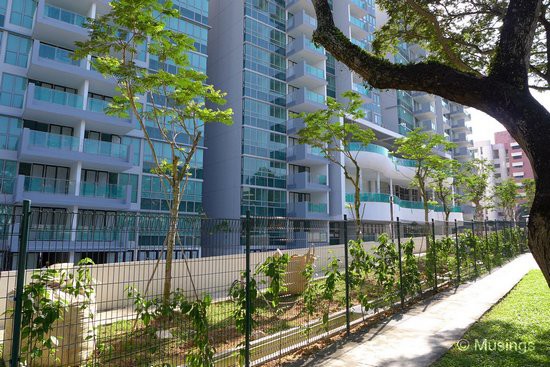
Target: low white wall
212	275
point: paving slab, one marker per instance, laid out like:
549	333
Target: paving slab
420	336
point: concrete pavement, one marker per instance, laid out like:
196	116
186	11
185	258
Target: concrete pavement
424	333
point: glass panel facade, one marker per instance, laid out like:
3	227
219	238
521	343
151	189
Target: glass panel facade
10	131
22	13
12	90
8	172
17	50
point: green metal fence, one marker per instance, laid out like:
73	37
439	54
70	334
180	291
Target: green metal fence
243	291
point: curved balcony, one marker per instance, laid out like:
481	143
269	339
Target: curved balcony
370	157
294	6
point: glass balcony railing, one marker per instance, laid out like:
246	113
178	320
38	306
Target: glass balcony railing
373	148
105	148
310	45
317	208
97	105
50	232
409	204
316	72
321	179
404	130
404	162
48	185
57	54
58	97
101	190
53	141
360	3
361	89
65	16
372	197
314	97
315	151
358	22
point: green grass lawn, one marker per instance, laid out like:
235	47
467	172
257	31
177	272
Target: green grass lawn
520	322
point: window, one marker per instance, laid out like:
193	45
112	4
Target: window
3	6
17	50
12	90
22	13
154	195
8	171
10	130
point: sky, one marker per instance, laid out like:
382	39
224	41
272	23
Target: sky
484	126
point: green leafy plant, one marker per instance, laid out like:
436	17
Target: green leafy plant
360	266
411	273
311	294
274	268
42	306
328	289
385	267
203	353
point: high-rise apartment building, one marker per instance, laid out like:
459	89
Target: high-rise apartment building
58	147
275	70
509	162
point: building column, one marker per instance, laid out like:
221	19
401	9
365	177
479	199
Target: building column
84	94
378	182
361	180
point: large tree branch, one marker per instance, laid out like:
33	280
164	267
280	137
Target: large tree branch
511	61
445	42
432	77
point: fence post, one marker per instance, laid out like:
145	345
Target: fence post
475	249
401	293
346	264
487	246
435	255
248	316
457	253
21	270
496	241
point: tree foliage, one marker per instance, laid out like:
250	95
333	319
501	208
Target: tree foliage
169	103
330	131
506	195
473	181
444	175
422	147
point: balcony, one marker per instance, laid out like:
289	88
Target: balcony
358	7
63	193
52	64
294	125
305	75
365	197
59	26
305	100
306	182
301	23
424	111
363	91
459	126
461	152
301	48
55	149
293	6
458	111
305	155
422	97
308	210
359	27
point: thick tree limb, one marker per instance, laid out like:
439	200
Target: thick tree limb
511	61
432	77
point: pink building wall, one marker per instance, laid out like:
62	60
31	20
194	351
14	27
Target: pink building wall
503	137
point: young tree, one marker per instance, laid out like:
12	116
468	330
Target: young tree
328	131
168	104
421	147
529	187
473	182
483	54
506	195
443	177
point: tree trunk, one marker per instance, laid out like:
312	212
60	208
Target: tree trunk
447	215
357	208
170	244
539	228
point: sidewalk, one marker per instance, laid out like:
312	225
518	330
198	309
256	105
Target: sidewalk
423	334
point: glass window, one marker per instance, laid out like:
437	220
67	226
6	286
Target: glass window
154	195
10	130
12	90
3	6
8	171
22	13
263	202
17	50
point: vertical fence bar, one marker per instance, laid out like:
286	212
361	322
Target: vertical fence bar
496	241
21	269
248	316
457	253
435	255
346	264
401	293
486	256
475	249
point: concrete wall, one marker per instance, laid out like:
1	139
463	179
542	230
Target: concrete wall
212	275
